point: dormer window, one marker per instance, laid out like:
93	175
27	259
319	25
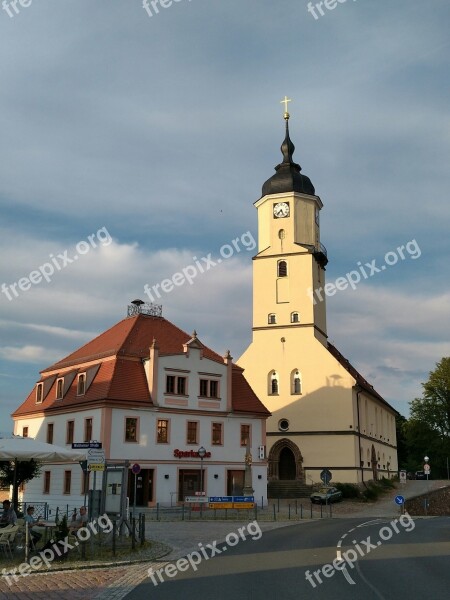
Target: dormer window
39	393
272	319
59	388
295	317
81	385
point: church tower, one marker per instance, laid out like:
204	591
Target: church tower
314	394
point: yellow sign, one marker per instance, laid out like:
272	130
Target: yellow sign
96	467
220	505
243	505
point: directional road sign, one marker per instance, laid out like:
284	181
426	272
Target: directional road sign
399	500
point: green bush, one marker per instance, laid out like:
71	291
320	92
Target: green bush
349	490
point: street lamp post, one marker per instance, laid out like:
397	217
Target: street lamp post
426	468
202	454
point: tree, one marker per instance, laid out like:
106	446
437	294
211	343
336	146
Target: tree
429	426
26	471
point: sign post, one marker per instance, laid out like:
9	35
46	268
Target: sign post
136	469
400	500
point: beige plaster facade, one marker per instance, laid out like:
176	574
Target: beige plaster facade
324	413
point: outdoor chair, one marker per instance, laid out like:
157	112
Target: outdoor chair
7	536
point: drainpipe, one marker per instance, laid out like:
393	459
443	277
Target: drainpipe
361	464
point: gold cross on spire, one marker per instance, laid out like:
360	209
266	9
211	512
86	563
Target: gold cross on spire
285	102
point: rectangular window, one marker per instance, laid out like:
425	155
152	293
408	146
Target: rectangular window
81	387
163	431
175	385
87	430
49	433
69	432
131	427
209	388
59	389
214	389
170	384
39	393
47	477
192	432
245	434
181	385
203	387
24	431
217	430
67	481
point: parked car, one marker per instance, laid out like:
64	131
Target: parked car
420	475
326	495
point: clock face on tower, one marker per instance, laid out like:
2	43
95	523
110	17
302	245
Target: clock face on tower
281	210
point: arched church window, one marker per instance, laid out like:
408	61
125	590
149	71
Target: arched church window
295	317
282	268
273	383
272	319
296	382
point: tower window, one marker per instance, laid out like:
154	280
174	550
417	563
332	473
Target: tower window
295	318
273	384
282	234
272	319
282	268
296	382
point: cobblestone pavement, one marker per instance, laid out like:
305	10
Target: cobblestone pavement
114	583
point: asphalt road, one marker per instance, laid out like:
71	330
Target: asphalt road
383	561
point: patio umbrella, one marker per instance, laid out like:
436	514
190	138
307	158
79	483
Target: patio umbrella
19	449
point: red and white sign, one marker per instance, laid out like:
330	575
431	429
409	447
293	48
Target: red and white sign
426	468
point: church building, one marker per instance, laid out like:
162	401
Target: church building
325	414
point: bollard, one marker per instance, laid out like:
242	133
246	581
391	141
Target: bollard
274	513
278	505
296	508
133	534
289	511
301	511
321	510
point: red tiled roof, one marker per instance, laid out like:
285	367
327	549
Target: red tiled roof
116	380
121	378
243	397
133	337
360	380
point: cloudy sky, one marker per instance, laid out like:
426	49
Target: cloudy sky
154	134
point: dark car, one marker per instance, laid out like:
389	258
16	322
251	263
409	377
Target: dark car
326	495
420	475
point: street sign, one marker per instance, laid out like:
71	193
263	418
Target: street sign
399	500
243	505
136	469
221	505
221	498
82	445
402	476
96	459
243	499
197	499
326	476
426	468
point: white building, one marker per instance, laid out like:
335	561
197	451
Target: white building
152	395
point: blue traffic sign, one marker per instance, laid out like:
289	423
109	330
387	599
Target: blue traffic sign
221	498
243	498
399	500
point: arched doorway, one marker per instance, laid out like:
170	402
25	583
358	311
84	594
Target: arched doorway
286	464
